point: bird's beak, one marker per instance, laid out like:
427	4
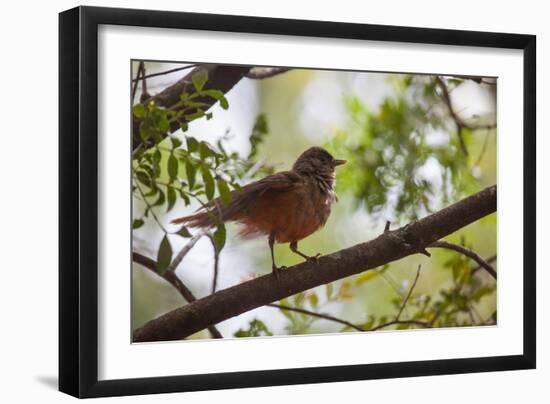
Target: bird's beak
339	162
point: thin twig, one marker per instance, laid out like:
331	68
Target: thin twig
185	250
319	315
468	253
172	278
149	207
144	94
489	260
408	294
134	87
253	170
484	147
177	69
216	263
389	323
258	73
459	122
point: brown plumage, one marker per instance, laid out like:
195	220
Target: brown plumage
287	206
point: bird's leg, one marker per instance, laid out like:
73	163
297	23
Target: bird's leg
294	249
274	267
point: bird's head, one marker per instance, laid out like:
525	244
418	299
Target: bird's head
316	160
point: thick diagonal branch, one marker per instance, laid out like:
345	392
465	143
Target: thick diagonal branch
220	77
389	246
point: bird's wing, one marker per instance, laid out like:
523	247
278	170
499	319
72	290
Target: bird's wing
250	195
281	181
243	200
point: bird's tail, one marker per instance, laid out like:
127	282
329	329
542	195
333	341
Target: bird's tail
205	219
217	211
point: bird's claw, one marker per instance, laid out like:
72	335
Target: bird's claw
314	258
276	270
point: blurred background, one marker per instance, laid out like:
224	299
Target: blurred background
414	144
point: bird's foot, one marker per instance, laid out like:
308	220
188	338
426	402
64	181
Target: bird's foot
312	258
276	270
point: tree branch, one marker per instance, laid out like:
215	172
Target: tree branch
136	80
172	278
216	263
258	73
177	69
446	96
394	322
408	294
186	248
468	253
220	77
389	246
489	260
459	122
319	315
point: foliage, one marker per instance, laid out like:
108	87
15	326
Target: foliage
256	329
388	149
259	132
189	170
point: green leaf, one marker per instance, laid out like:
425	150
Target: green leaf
191	172
184	196
196	104
313	300
218	95
206	150
256	329
171	196
192	144
223	103
225	193
299	298
144	178
329	289
219	237
164	256
259	131
199	113
199	79
157	157
172	167
365	277
175	142
144	132
163	124
137	223
161	199
208	182
482	291
183	232
139	111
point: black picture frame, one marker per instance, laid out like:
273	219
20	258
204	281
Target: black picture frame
78	195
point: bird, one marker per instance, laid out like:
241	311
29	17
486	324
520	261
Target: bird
287	206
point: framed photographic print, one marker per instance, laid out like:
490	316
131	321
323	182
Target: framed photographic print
252	201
